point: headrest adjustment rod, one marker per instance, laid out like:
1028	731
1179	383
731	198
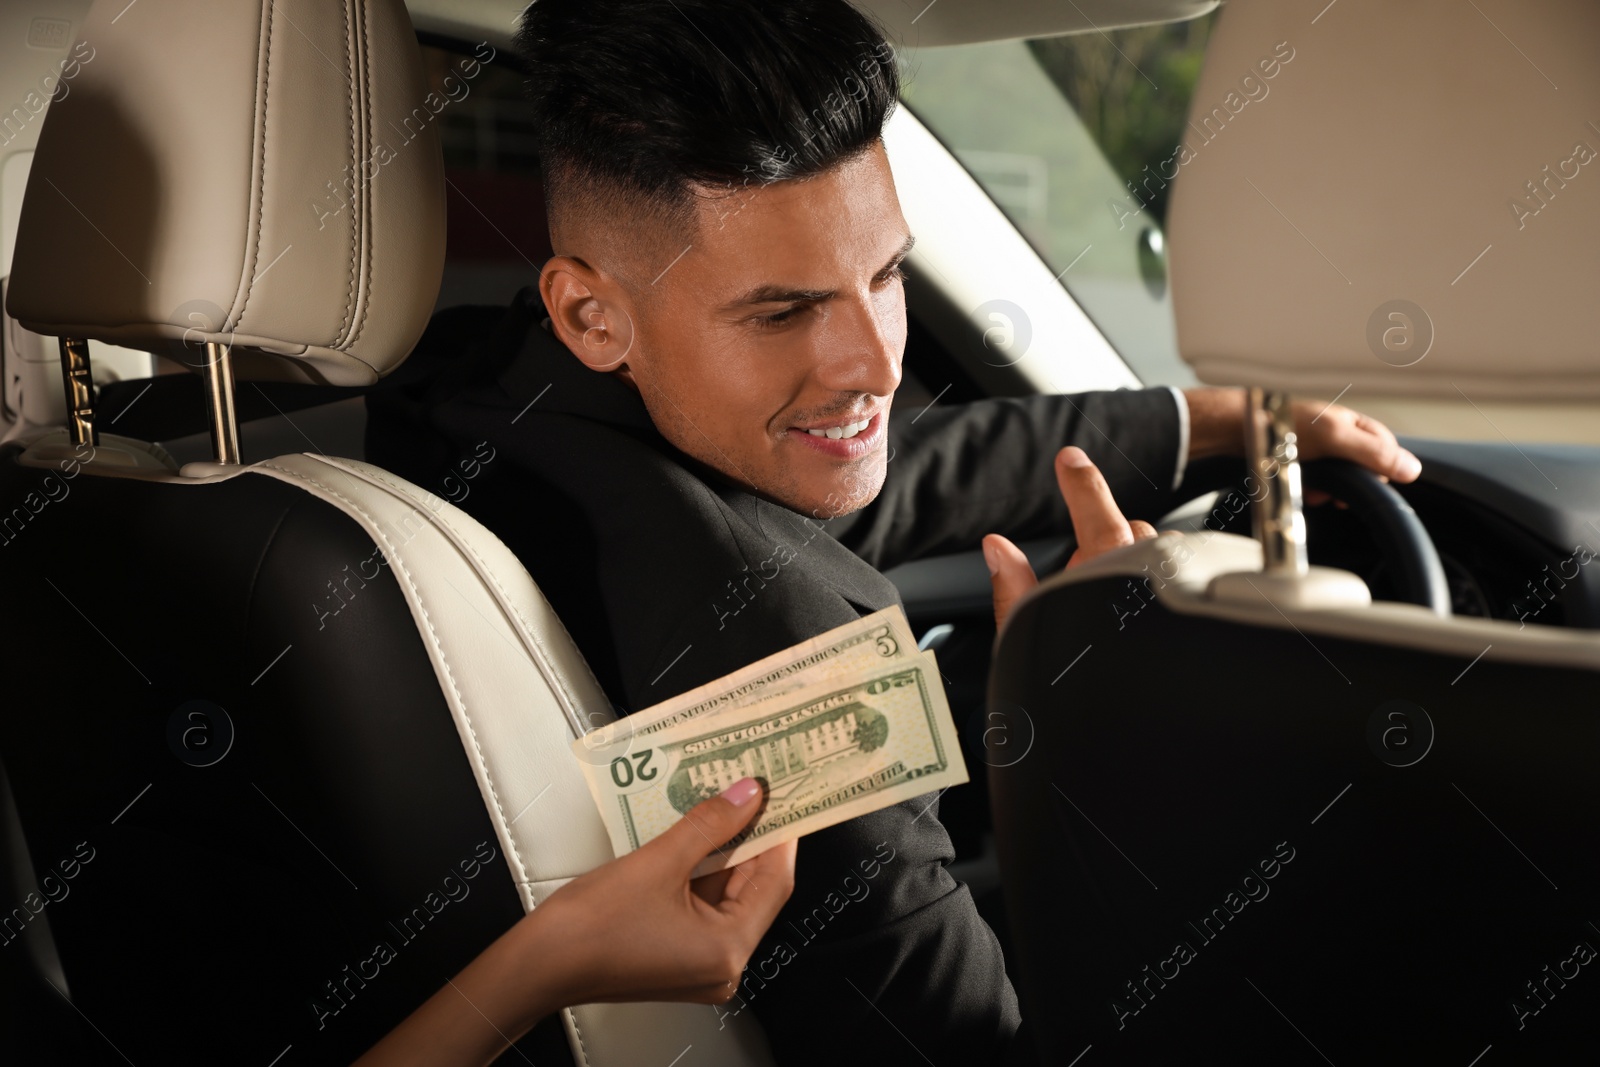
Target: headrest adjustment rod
219	402
76	377
1272	451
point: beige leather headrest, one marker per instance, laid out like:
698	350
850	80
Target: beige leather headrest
1403	197
260	172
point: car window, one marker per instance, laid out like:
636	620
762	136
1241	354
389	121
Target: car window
1059	133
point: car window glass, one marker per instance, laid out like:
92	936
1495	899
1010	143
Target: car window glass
1073	179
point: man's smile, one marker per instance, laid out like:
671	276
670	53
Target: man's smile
844	439
849	429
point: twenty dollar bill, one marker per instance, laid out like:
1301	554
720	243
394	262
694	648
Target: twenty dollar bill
825	753
843	652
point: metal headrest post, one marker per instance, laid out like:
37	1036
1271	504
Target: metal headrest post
1286	579
78	381
219	402
1273	453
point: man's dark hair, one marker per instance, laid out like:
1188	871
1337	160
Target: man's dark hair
648	99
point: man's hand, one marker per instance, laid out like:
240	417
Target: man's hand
1096	520
1331	430
1216	428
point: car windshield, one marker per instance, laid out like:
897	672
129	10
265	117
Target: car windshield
1055	130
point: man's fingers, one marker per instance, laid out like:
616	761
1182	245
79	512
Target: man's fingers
1010	574
710	824
1407	467
1138	530
1362	439
1096	519
1379	452
1375	447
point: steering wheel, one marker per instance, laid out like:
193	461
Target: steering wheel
1418	573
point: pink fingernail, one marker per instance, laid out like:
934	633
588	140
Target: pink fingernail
741	792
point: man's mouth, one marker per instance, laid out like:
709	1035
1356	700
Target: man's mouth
848	429
845	439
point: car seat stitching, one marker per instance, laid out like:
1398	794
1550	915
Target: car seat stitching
574	710
368	231
355	172
583	1048
396	561
266	100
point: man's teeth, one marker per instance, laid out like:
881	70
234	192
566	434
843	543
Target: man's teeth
834	433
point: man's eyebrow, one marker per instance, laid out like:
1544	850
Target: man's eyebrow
900	254
777	294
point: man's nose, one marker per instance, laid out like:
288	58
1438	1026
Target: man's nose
864	354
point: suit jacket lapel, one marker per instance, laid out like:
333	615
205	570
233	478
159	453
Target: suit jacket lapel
830	562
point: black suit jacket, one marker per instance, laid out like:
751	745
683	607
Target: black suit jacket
669	576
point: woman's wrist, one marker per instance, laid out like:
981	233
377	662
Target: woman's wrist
494	1000
539	962
525	975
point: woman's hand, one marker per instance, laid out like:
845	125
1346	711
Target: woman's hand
636	928
669	938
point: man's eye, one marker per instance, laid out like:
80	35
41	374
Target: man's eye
780	318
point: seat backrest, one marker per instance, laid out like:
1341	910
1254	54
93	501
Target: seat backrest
301	748
347	700
1234	821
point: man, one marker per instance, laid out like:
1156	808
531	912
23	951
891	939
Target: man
695	458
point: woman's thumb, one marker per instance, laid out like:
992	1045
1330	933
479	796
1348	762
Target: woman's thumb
712	823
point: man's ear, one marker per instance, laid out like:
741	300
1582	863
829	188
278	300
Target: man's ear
588	312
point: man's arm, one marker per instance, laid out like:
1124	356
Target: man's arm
1216	419
1101	526
962	471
